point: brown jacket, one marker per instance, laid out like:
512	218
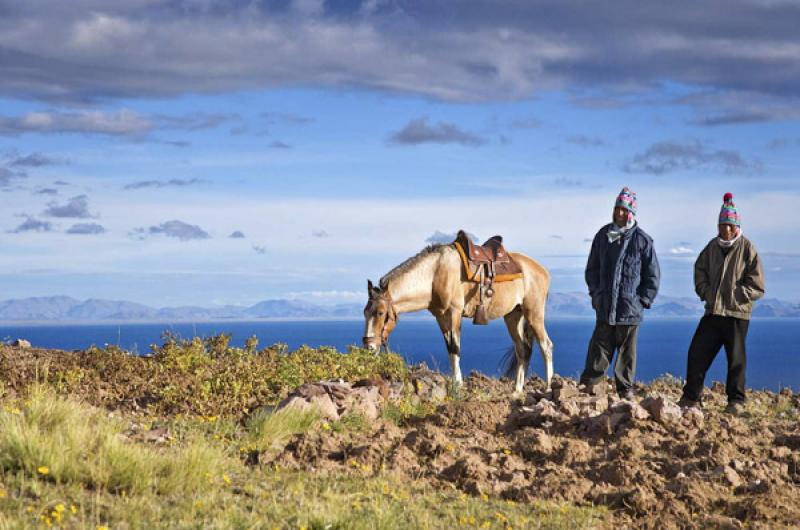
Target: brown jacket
729	283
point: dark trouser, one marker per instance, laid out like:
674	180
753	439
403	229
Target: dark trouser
605	339
712	333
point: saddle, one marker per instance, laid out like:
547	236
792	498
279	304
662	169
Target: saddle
486	264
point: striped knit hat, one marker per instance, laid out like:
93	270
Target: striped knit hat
627	199
728	213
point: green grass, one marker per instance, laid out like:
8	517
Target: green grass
352	422
56	440
269	431
401	411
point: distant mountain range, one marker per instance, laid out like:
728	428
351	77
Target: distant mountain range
65	309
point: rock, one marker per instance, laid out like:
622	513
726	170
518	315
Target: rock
721	522
728	475
376	381
603	424
662	409
429	386
570	408
365	401
780	453
307	391
21	343
694	416
336	389
786	391
321	402
158	436
631	408
591	406
537	415
563	390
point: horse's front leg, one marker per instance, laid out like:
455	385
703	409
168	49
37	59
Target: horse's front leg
450	325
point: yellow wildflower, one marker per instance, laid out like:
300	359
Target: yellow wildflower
507	451
2	493
226	479
73	508
326	426
101	527
43	470
59	507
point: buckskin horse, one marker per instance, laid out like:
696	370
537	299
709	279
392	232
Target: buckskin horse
443	279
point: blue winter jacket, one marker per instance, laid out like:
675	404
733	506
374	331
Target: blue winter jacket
623	276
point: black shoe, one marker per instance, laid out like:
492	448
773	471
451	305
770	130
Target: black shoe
597	389
689	403
735	408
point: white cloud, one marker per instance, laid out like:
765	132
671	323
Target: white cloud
681	250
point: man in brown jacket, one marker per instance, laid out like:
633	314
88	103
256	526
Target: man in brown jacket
728	277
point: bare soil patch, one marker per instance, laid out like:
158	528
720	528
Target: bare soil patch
653	464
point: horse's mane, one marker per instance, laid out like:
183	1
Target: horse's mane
410	262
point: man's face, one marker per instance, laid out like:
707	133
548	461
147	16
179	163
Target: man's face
620	216
727	232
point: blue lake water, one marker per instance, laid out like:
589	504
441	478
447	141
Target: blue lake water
772	344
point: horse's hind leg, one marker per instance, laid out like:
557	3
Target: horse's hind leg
515	322
536	326
450	324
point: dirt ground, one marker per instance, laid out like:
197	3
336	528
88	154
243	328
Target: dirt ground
653	464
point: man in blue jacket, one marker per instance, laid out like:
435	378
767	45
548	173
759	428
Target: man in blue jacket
623	276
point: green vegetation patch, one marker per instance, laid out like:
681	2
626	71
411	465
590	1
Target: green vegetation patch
204	377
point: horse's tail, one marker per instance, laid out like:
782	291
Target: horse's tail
509	359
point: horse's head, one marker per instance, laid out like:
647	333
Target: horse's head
380	318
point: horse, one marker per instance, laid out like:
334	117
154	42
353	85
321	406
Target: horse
435	280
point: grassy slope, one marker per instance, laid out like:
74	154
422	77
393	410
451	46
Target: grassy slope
65	463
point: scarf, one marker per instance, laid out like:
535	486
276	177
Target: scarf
616	232
729	244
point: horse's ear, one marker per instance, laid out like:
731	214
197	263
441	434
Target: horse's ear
370	287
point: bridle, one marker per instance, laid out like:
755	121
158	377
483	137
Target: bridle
391	316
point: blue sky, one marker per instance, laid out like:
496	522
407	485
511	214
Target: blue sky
337	138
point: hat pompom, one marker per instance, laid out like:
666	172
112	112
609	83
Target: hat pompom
728	197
